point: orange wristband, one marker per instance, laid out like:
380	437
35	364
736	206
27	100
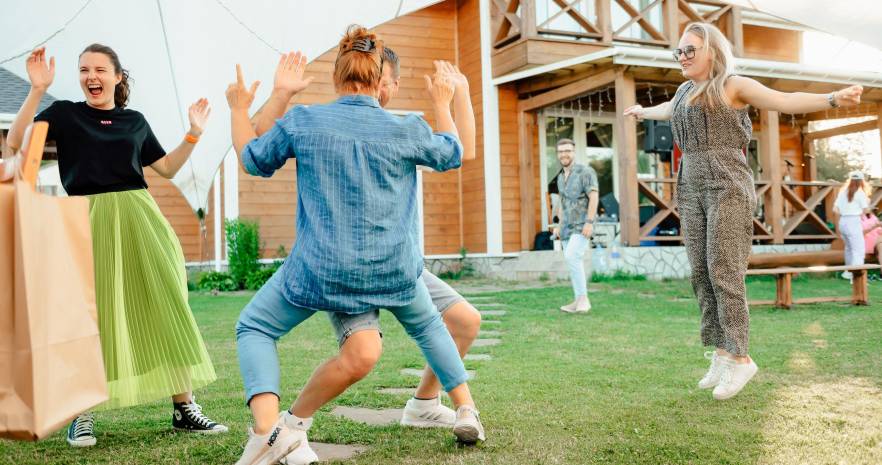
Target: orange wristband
191	138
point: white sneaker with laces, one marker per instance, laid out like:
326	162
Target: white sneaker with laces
735	376
427	413
712	377
303	454
268	449
568	308
468	428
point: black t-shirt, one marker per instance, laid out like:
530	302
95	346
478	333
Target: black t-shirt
100	150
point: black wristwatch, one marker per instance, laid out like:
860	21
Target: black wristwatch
831	99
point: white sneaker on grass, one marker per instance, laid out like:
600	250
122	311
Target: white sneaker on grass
427	413
81	432
268	449
303	454
712	377
468	428
735	376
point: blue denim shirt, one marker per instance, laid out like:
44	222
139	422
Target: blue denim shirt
357	247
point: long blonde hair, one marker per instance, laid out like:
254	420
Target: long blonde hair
712	92
851	186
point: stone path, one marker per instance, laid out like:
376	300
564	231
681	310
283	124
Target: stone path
384	417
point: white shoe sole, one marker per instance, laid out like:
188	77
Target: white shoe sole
420	423
576	310
300	456
222	430
467	434
710	386
82	442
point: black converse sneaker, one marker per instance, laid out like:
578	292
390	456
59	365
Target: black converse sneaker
189	417
81	432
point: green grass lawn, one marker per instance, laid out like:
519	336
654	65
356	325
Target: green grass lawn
616	386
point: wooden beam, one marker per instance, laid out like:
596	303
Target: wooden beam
770	159
847	129
528	18
626	151
671	21
526	122
604	20
568	91
638	17
736	31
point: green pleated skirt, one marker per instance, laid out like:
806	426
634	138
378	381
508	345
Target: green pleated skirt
152	347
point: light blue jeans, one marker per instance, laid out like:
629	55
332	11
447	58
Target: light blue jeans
269	316
574	253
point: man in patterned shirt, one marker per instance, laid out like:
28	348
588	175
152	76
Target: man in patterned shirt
577	187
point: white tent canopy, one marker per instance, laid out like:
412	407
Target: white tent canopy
858	20
179	51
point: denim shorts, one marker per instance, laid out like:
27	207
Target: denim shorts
345	324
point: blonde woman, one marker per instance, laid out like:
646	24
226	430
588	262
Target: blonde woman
715	192
851	204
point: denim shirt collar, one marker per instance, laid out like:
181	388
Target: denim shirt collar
359	99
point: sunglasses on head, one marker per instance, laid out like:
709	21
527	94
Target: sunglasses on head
688	51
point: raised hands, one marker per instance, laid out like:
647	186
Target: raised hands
440	88
198	114
289	74
238	96
445	68
40	73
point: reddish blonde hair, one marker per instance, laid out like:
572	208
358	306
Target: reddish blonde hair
356	69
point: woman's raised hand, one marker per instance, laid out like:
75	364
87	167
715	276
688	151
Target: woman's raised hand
40	73
440	88
198	114
240	97
289	74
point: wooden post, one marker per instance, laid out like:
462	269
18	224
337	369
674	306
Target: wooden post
859	287
784	291
810	171
770	159
528	19
526	122
604	20
626	151
736	31
671	19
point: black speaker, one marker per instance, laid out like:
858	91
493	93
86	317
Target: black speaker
658	138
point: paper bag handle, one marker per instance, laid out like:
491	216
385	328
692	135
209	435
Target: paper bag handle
32	151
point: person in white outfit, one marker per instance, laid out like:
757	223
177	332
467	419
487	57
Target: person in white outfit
851	203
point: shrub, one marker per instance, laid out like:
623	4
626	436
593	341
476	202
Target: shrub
243	241
260	276
217	281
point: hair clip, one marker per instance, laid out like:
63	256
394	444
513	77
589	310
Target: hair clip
364	45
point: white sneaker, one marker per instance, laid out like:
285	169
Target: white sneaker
430	413
468	428
577	307
268	449
712	377
735	376
568	308
303	454
847	275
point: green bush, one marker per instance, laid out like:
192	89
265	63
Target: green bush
619	275
243	242
217	281
260	276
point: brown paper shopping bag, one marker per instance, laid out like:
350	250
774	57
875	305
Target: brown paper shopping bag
51	366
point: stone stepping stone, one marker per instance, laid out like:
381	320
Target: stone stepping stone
418	372
335	452
490	322
369	416
489	333
393	391
490	304
479	298
478	357
486	342
493	312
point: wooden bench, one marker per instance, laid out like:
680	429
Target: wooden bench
784	275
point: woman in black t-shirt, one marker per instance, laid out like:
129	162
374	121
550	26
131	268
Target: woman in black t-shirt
151	344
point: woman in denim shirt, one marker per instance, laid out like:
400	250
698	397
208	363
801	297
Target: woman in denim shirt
357	244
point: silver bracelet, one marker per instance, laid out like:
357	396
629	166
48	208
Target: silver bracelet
831	99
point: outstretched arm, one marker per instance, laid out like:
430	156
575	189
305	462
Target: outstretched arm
661	112
748	91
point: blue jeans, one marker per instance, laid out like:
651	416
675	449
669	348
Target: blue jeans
269	316
574	253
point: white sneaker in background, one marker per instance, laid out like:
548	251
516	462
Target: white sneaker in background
430	413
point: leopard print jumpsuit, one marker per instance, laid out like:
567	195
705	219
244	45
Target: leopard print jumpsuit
716	201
